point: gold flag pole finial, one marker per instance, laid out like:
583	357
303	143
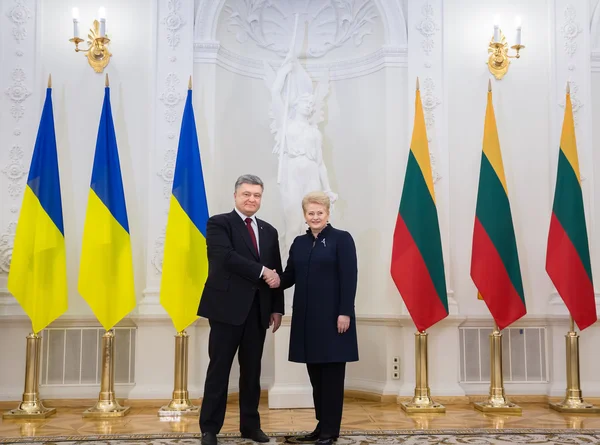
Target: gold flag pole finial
106	83
417	83
490	85
190	83
49	80
568	87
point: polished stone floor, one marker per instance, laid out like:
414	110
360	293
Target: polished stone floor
359	415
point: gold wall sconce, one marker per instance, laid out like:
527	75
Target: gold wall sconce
97	52
499	59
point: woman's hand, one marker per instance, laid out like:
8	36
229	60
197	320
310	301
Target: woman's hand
343	323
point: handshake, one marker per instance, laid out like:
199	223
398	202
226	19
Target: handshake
271	277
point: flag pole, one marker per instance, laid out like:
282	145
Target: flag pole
422	401
180	404
497	401
31	406
107	405
573	402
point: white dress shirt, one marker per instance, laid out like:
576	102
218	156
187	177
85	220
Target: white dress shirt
254	225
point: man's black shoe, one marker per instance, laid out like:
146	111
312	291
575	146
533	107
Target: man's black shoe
257	435
325	441
209	439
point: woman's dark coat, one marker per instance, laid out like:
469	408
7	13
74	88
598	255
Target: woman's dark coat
325	273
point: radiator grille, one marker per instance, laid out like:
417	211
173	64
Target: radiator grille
73	356
524	355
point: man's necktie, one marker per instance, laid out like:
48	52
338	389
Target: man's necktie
252	236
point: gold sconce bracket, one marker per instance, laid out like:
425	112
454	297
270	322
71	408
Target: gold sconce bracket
499	59
97	52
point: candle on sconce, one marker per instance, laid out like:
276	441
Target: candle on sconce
102	19
519	26
496	29
75	22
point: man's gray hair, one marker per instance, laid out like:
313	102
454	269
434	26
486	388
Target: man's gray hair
249	179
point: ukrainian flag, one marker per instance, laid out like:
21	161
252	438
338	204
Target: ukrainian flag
185	262
106	268
38	270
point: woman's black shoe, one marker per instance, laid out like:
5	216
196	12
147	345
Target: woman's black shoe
308	438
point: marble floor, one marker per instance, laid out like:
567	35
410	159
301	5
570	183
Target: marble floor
359	415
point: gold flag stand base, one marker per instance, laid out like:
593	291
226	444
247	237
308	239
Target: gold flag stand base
497	401
180	405
421	402
573	402
107	406
31	407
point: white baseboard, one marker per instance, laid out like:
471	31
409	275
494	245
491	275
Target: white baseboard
81	392
371	386
290	396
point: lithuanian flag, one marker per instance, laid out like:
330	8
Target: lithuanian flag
568	255
495	268
417	261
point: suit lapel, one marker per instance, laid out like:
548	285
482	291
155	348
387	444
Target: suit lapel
241	227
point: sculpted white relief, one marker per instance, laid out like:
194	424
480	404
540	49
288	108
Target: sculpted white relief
296	110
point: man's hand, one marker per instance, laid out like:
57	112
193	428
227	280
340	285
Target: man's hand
275	321
343	323
271	277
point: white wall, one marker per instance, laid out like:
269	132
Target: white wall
366	135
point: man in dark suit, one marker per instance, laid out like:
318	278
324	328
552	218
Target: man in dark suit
241	301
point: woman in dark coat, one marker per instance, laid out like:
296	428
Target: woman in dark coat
323	267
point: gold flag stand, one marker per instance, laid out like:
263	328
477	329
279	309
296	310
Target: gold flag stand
497	401
573	402
180	405
422	402
31	407
107	406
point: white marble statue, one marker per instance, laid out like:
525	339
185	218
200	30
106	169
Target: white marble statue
296	110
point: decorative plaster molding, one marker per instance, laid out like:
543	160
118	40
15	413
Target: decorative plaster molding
6	245
171	98
157	256
576	101
17	93
173	22
208	13
430	103
15	171
428	27
331	23
19	15
212	53
570	29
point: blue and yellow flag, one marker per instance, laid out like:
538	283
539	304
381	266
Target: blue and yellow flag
106	268
185	262
38	270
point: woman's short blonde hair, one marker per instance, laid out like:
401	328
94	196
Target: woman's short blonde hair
316	198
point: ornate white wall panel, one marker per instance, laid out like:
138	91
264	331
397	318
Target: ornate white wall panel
173	66
426	61
19	114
